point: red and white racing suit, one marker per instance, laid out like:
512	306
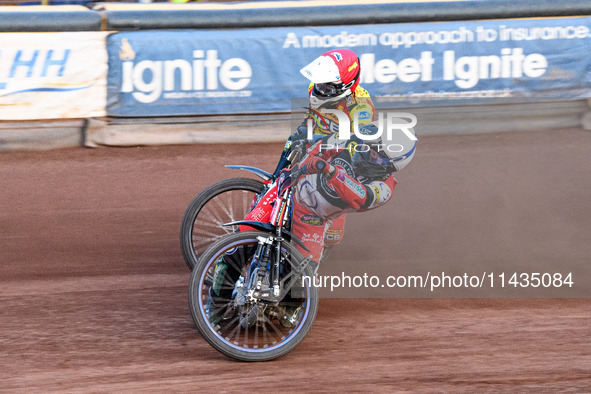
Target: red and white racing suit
320	203
320	200
359	105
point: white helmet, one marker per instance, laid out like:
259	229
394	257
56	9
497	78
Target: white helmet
335	75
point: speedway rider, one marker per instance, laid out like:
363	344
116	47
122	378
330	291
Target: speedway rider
356	177
334	77
347	179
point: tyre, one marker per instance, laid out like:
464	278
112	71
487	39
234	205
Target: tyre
256	330
225	201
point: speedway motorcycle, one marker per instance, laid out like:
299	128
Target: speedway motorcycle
251	292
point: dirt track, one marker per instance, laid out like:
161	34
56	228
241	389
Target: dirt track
93	286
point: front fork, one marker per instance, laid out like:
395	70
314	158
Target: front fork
257	287
263	282
263	278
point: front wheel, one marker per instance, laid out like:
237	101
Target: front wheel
235	323
225	201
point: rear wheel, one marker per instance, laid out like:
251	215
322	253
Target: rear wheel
244	327
225	201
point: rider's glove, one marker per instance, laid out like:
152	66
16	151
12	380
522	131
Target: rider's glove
315	165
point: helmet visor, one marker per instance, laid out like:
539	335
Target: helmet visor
328	89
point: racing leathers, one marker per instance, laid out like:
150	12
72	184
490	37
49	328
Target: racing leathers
342	176
359	107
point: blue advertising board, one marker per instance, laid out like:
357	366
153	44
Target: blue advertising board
167	73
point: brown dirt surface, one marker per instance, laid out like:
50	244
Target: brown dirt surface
93	288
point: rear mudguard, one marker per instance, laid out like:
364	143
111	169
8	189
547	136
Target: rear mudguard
257	171
268	227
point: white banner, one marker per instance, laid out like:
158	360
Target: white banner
53	75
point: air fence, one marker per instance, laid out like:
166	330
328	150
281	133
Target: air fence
135	74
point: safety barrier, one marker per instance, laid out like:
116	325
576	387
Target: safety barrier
54	19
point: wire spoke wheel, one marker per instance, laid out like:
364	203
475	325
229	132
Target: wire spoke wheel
225	201
238	325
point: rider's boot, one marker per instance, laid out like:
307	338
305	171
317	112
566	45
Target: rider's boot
291	316
293	309
219	296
